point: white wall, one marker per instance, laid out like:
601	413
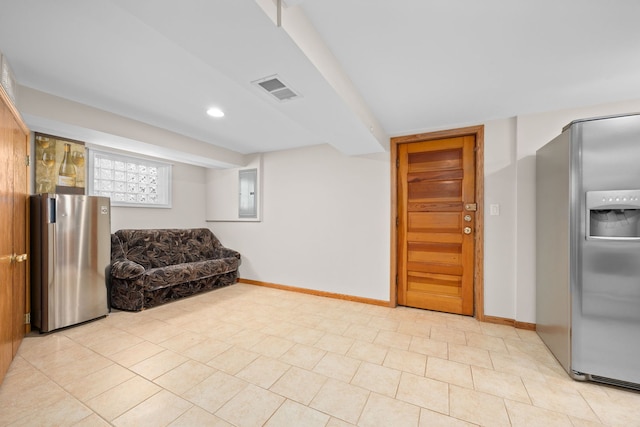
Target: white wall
534	131
223	192
325	224
500	230
188	206
510	239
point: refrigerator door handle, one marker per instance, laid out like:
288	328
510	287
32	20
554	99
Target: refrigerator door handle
51	210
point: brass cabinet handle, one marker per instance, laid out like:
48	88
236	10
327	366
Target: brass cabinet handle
467	230
21	258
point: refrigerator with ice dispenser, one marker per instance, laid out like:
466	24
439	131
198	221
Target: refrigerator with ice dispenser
588	249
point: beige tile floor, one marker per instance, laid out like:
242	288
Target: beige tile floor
251	356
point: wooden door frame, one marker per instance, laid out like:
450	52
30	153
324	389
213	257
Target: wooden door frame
478	279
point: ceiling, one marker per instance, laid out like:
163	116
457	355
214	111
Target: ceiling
365	69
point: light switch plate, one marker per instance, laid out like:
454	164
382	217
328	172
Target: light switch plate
494	209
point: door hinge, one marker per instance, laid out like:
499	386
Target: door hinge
397	221
398	162
27	318
396	280
28	160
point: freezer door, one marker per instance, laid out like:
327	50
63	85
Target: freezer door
606	296
80	252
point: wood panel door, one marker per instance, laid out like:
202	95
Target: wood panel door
436	204
20	232
13	231
6	243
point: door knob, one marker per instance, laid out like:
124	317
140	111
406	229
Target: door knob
467	218
17	258
467	230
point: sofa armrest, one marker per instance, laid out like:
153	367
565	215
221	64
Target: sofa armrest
222	252
125	269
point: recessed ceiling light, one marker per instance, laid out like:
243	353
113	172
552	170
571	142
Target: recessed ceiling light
215	112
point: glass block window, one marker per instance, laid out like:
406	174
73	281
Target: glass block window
129	181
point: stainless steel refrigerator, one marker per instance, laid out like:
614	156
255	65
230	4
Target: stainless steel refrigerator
588	249
70	254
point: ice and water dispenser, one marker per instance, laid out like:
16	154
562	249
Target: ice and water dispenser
613	215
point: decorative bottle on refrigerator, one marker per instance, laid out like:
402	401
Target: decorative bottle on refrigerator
67	171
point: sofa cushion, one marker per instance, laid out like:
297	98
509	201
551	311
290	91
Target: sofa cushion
157	278
156	248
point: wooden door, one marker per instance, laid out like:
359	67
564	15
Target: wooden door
13	231
6	243
436	203
20	233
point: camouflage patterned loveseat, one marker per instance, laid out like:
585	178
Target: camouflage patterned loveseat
151	267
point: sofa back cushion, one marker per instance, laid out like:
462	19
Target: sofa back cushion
154	248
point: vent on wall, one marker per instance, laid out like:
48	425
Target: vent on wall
277	88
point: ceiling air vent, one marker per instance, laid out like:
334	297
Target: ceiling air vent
277	88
